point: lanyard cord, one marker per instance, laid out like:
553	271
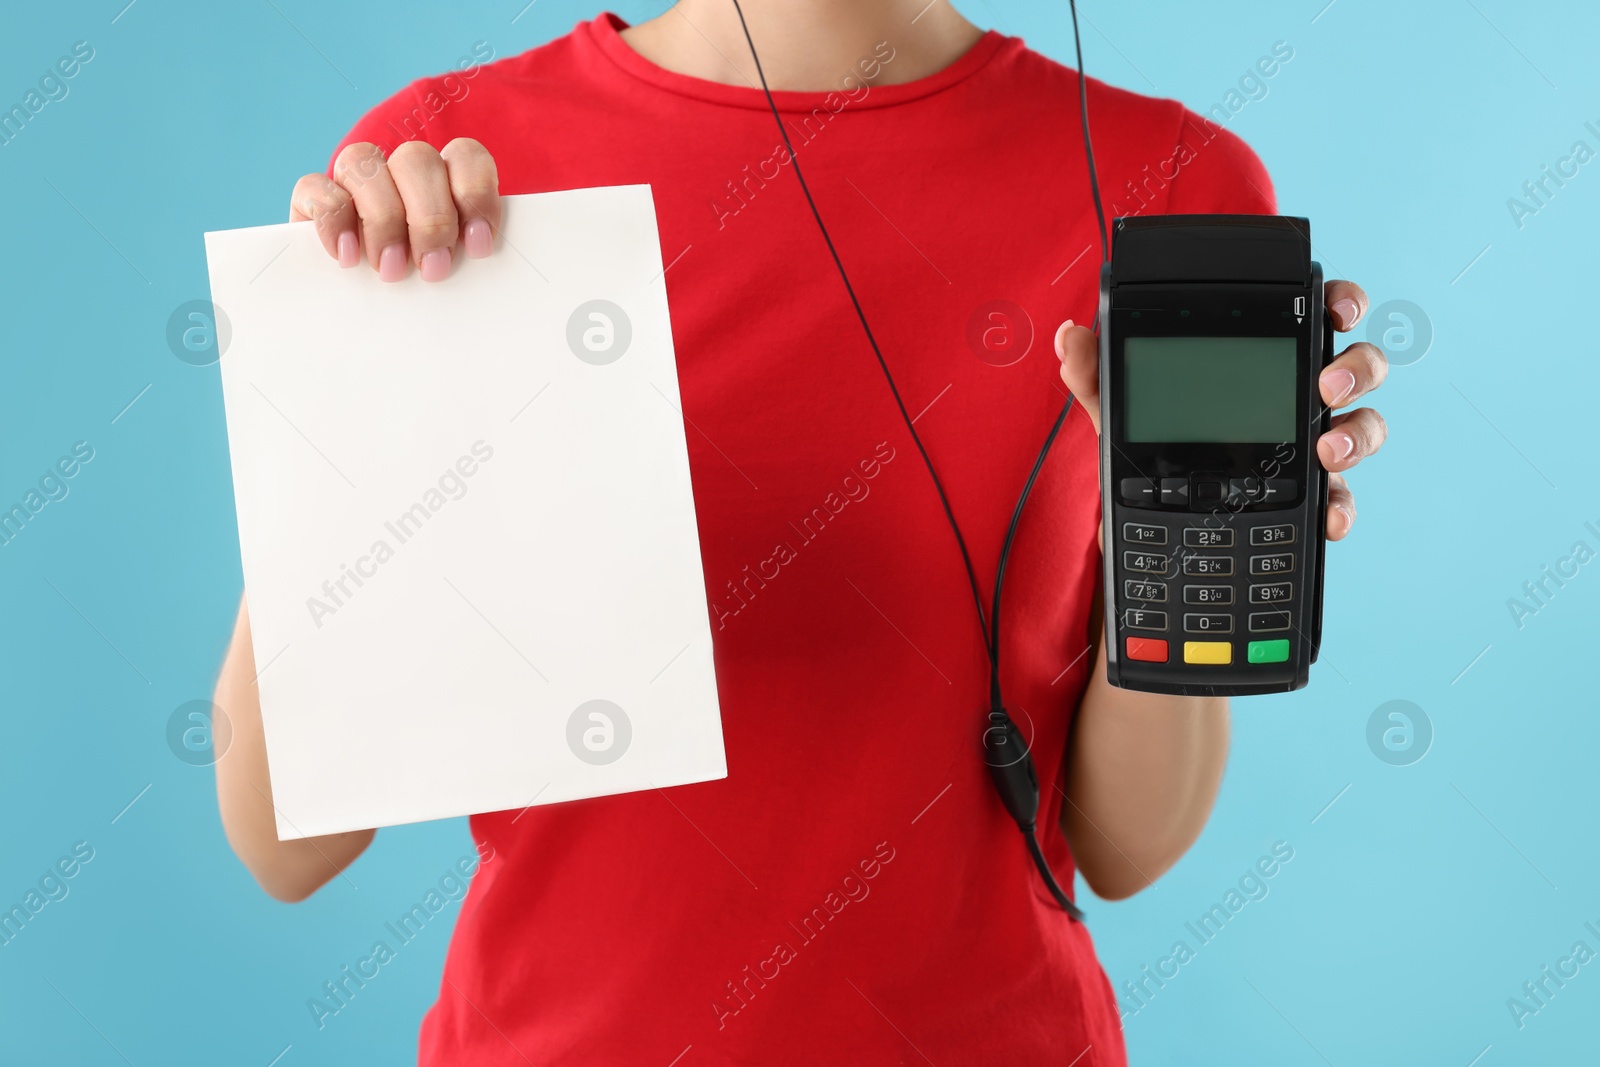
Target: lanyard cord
995	701
1014	774
938	485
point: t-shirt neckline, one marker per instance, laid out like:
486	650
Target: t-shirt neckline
606	33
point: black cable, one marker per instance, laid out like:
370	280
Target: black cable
1088	142
1014	775
1040	862
944	501
997	708
995	701
1017	774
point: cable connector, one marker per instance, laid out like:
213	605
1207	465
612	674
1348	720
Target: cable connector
1005	750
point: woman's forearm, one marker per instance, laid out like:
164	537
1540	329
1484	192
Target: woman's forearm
1142	775
288	870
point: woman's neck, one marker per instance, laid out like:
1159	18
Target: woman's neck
804	46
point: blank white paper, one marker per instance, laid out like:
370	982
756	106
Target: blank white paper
466	521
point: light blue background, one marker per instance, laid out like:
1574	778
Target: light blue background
1414	906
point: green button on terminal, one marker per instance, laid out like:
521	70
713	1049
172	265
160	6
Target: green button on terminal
1268	651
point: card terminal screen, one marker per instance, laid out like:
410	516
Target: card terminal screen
1209	389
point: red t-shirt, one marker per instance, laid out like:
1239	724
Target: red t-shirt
853	891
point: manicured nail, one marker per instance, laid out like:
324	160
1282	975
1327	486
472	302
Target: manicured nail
1348	313
436	265
1338	384
1349	515
392	263
1061	352
479	238
349	249
1342	444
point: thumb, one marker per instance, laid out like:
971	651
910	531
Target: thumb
1079	354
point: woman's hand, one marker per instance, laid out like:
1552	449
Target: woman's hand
1144	769
413	208
1353	435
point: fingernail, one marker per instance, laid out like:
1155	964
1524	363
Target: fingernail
1348	313
349	249
436	265
479	238
392	263
1342	444
1349	515
1338	384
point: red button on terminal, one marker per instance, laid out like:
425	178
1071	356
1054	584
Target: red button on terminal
1147	649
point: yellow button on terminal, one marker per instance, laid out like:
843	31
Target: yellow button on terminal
1220	652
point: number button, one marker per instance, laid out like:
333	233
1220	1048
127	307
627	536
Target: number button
1141	619
1148	592
1203	538
1266	621
1271	593
1273	535
1138	533
1210	566
1281	563
1208	624
1208	594
1146	562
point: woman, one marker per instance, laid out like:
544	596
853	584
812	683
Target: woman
853	891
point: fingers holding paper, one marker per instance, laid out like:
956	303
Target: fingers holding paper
363	173
475	185
431	225
320	199
412	208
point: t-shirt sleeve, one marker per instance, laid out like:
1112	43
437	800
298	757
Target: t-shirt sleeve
1221	173
409	115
